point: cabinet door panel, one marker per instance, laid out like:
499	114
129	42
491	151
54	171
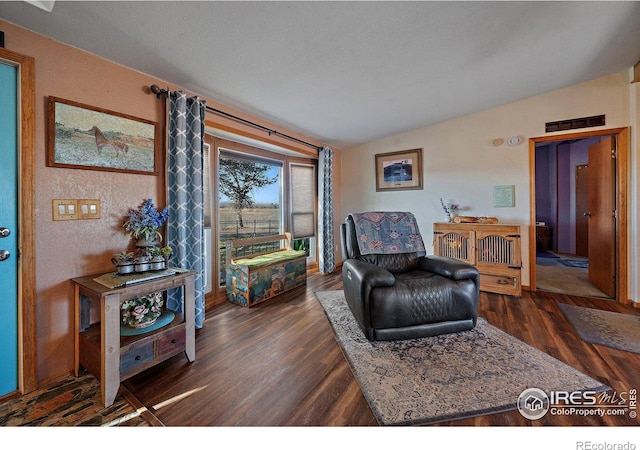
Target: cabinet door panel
452	243
501	249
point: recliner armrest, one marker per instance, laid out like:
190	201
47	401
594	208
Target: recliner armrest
450	268
367	274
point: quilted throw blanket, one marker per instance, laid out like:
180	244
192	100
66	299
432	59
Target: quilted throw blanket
387	232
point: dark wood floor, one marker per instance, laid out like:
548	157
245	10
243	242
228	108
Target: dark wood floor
278	364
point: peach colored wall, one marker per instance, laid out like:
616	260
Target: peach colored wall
68	249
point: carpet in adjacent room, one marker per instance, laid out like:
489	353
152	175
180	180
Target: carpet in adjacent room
611	329
446	377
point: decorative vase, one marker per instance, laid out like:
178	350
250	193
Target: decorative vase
447	217
140	325
144	242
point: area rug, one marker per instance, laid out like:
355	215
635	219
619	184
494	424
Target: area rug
447	377
545	254
543	261
69	401
611	329
579	263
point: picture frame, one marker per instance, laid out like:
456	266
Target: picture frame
504	196
87	137
399	171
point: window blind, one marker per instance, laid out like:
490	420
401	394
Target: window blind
303	200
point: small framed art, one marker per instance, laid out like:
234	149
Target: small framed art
399	171
504	196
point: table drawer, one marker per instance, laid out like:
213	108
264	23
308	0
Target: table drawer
136	357
176	340
500	283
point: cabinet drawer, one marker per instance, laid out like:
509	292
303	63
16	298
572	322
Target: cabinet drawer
503	284
172	342
136	357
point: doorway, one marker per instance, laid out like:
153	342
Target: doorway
21	170
560	245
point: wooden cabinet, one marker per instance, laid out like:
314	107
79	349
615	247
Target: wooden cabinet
493	249
543	237
113	358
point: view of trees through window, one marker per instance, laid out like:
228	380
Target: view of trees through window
249	204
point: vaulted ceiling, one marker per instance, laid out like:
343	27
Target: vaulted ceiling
351	72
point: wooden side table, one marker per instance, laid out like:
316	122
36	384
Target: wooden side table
112	358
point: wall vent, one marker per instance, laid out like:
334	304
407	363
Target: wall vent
572	124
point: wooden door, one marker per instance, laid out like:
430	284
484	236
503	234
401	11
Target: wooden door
602	221
582	208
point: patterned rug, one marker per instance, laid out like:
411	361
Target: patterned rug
611	329
69	401
580	263
447	377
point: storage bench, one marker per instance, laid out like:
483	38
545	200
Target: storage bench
254	278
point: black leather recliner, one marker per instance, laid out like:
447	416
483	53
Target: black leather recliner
407	295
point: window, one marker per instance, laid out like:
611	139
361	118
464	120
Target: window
249	203
255	192
302	210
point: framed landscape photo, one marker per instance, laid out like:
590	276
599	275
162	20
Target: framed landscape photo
86	137
399	171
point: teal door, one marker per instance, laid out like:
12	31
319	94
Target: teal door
8	228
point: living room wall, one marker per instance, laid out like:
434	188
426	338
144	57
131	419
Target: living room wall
462	165
68	249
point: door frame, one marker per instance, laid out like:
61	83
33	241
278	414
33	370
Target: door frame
622	195
27	378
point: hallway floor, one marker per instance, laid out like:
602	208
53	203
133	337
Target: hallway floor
565	274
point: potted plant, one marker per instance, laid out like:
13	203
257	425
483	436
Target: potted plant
144	222
142	263
449	209
124	262
157	260
166	252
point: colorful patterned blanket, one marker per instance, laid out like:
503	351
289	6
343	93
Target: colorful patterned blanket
387	232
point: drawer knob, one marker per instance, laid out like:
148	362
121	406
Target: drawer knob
173	341
137	358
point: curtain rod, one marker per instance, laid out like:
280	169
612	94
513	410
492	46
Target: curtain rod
160	92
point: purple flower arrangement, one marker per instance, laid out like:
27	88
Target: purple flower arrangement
449	207
145	220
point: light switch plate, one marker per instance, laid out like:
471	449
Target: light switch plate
89	209
64	209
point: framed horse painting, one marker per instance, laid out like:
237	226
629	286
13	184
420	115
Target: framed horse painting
87	137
